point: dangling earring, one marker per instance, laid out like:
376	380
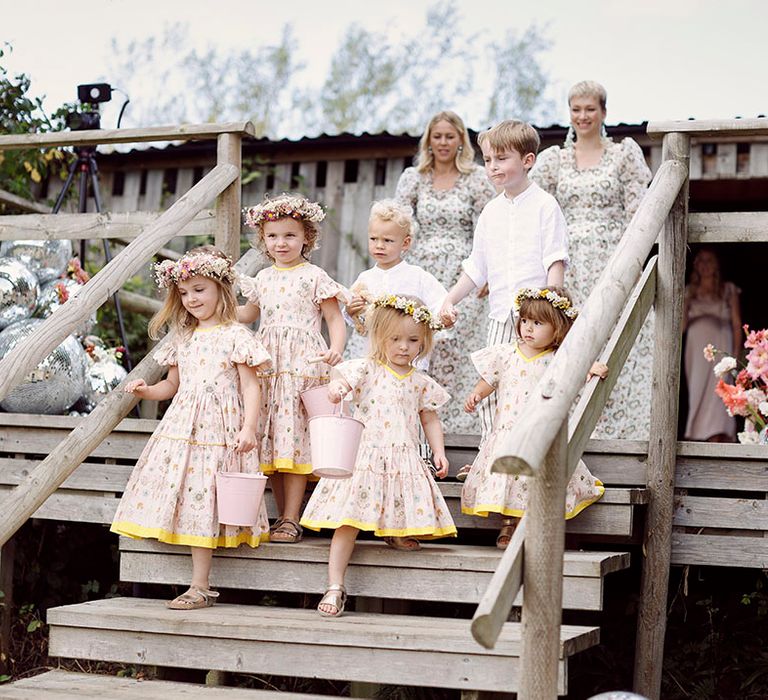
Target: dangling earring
460	149
603	132
570	137
429	150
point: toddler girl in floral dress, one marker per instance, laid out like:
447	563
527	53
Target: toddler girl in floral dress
291	298
513	370
391	492
210	425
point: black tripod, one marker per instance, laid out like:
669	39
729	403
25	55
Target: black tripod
85	164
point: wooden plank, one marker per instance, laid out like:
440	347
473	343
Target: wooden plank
178	132
45	442
89	476
735	513
721	474
719	127
758	160
65	685
726	160
71	506
696	168
22	203
728	227
719	550
34	420
131	188
154	192
228	206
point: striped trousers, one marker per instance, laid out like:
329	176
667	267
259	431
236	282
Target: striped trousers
498	333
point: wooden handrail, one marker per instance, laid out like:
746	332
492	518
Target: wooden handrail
21	503
525	448
710	127
96	137
22	203
24	357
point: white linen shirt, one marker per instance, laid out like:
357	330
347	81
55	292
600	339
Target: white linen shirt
515	243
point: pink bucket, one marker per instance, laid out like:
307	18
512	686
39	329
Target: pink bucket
334	441
316	401
239	497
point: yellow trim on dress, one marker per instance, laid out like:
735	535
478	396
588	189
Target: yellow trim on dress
137	532
535	357
197	329
285	465
398	376
426	533
286	269
485	510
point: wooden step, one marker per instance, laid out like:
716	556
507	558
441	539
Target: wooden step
65	685
450	572
368	647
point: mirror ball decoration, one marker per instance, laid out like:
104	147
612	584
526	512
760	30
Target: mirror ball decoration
53	294
101	378
55	384
18	291
46	259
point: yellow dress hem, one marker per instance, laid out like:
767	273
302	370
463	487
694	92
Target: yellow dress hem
287	466
138	532
423	532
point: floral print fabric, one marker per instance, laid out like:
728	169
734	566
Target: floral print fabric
514	376
391	492
171	494
289	302
445	223
598	204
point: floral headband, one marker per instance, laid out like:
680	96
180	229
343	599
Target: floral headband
561	303
292	206
420	314
170	272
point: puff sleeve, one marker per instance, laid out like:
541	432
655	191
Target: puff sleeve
432	396
491	361
248	350
326	288
249	289
407	191
546	170
634	175
353	372
167	355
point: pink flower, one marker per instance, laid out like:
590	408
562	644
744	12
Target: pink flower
733	397
755	338
709	353
757	361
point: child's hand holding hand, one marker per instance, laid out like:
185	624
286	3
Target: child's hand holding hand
136	386
336	391
245	441
471	403
448	314
441	462
598	369
356	306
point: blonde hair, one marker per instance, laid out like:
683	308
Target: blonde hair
543	311
589	88
380	322
394	211
465	155
286	206
178	319
693	289
511	135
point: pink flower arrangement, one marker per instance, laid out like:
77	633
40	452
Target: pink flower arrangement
748	395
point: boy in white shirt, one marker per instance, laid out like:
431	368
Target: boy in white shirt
520	239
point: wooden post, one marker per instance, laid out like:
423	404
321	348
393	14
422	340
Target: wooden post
7	555
228	216
543	574
662	447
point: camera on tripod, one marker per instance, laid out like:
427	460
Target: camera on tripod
90	95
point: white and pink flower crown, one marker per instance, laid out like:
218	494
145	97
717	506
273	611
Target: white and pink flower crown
420	314
561	303
170	272
286	205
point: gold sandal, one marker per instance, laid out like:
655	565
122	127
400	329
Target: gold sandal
508	527
193	599
336	596
463	473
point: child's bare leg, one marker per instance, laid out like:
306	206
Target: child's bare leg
508	527
278	491
289	530
342	546
201	566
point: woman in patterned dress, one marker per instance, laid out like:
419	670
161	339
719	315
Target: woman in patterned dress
447	191
599	185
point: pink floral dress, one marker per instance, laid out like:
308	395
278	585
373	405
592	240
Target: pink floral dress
289	301
514	376
391	492
171	494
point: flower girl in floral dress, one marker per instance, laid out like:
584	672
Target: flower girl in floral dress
391	492
291	298
210	425
513	370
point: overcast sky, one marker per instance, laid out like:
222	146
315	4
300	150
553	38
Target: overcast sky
659	59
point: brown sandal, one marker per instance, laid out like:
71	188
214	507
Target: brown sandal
463	473
287	532
336	596
193	599
508	527
404	544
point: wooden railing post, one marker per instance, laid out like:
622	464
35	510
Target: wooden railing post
543	575
228	217
662	447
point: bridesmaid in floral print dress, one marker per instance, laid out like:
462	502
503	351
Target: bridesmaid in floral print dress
291	298
447	191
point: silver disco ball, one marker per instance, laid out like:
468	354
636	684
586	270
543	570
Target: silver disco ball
46	259
101	378
18	291
52	296
55	384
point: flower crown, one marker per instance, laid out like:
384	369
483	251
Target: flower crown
170	272
561	303
293	206
420	314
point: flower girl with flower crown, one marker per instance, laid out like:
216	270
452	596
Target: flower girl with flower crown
391	492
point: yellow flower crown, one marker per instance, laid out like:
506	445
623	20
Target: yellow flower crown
561	303
420	314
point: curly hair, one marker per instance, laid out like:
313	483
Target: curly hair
286	206
392	210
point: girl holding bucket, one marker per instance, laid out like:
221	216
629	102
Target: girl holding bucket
291	298
210	425
391	491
